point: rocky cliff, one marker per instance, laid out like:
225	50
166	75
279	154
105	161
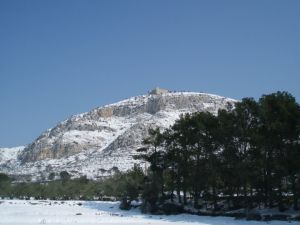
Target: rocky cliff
103	140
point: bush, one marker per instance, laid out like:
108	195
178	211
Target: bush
4	178
125	204
171	208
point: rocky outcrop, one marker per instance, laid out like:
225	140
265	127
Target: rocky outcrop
81	133
107	137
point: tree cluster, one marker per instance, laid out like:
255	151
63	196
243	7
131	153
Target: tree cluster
247	155
116	187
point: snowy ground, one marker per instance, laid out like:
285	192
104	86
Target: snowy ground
17	212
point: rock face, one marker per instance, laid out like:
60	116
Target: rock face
103	140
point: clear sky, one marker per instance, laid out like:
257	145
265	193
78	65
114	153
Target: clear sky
59	58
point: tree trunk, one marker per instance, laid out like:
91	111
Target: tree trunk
251	197
162	184
196	197
172	183
197	176
215	197
246	202
184	195
280	203
295	194
178	190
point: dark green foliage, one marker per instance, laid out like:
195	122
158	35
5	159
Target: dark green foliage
153	154
4	178
51	176
122	185
250	153
4	184
171	209
64	176
280	117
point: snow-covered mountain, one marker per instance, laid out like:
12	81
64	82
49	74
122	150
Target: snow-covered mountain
99	142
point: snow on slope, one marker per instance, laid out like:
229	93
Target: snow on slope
8	154
98	142
19	212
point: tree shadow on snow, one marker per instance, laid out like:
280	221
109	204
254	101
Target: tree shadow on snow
112	209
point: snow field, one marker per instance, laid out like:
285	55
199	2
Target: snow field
17	212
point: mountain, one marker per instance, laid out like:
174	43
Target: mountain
100	142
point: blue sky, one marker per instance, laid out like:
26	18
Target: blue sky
59	58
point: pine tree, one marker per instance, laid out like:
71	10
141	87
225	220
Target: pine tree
153	153
246	125
182	137
279	116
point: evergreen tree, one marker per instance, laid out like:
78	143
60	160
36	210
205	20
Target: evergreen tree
153	153
182	141
246	125
279	115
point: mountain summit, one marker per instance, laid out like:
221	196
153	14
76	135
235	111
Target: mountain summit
104	140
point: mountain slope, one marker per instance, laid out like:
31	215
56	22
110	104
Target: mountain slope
99	142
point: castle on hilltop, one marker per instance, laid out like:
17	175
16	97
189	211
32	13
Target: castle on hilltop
158	91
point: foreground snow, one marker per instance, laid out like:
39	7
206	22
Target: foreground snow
15	212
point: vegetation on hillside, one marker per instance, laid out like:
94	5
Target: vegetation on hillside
113	188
